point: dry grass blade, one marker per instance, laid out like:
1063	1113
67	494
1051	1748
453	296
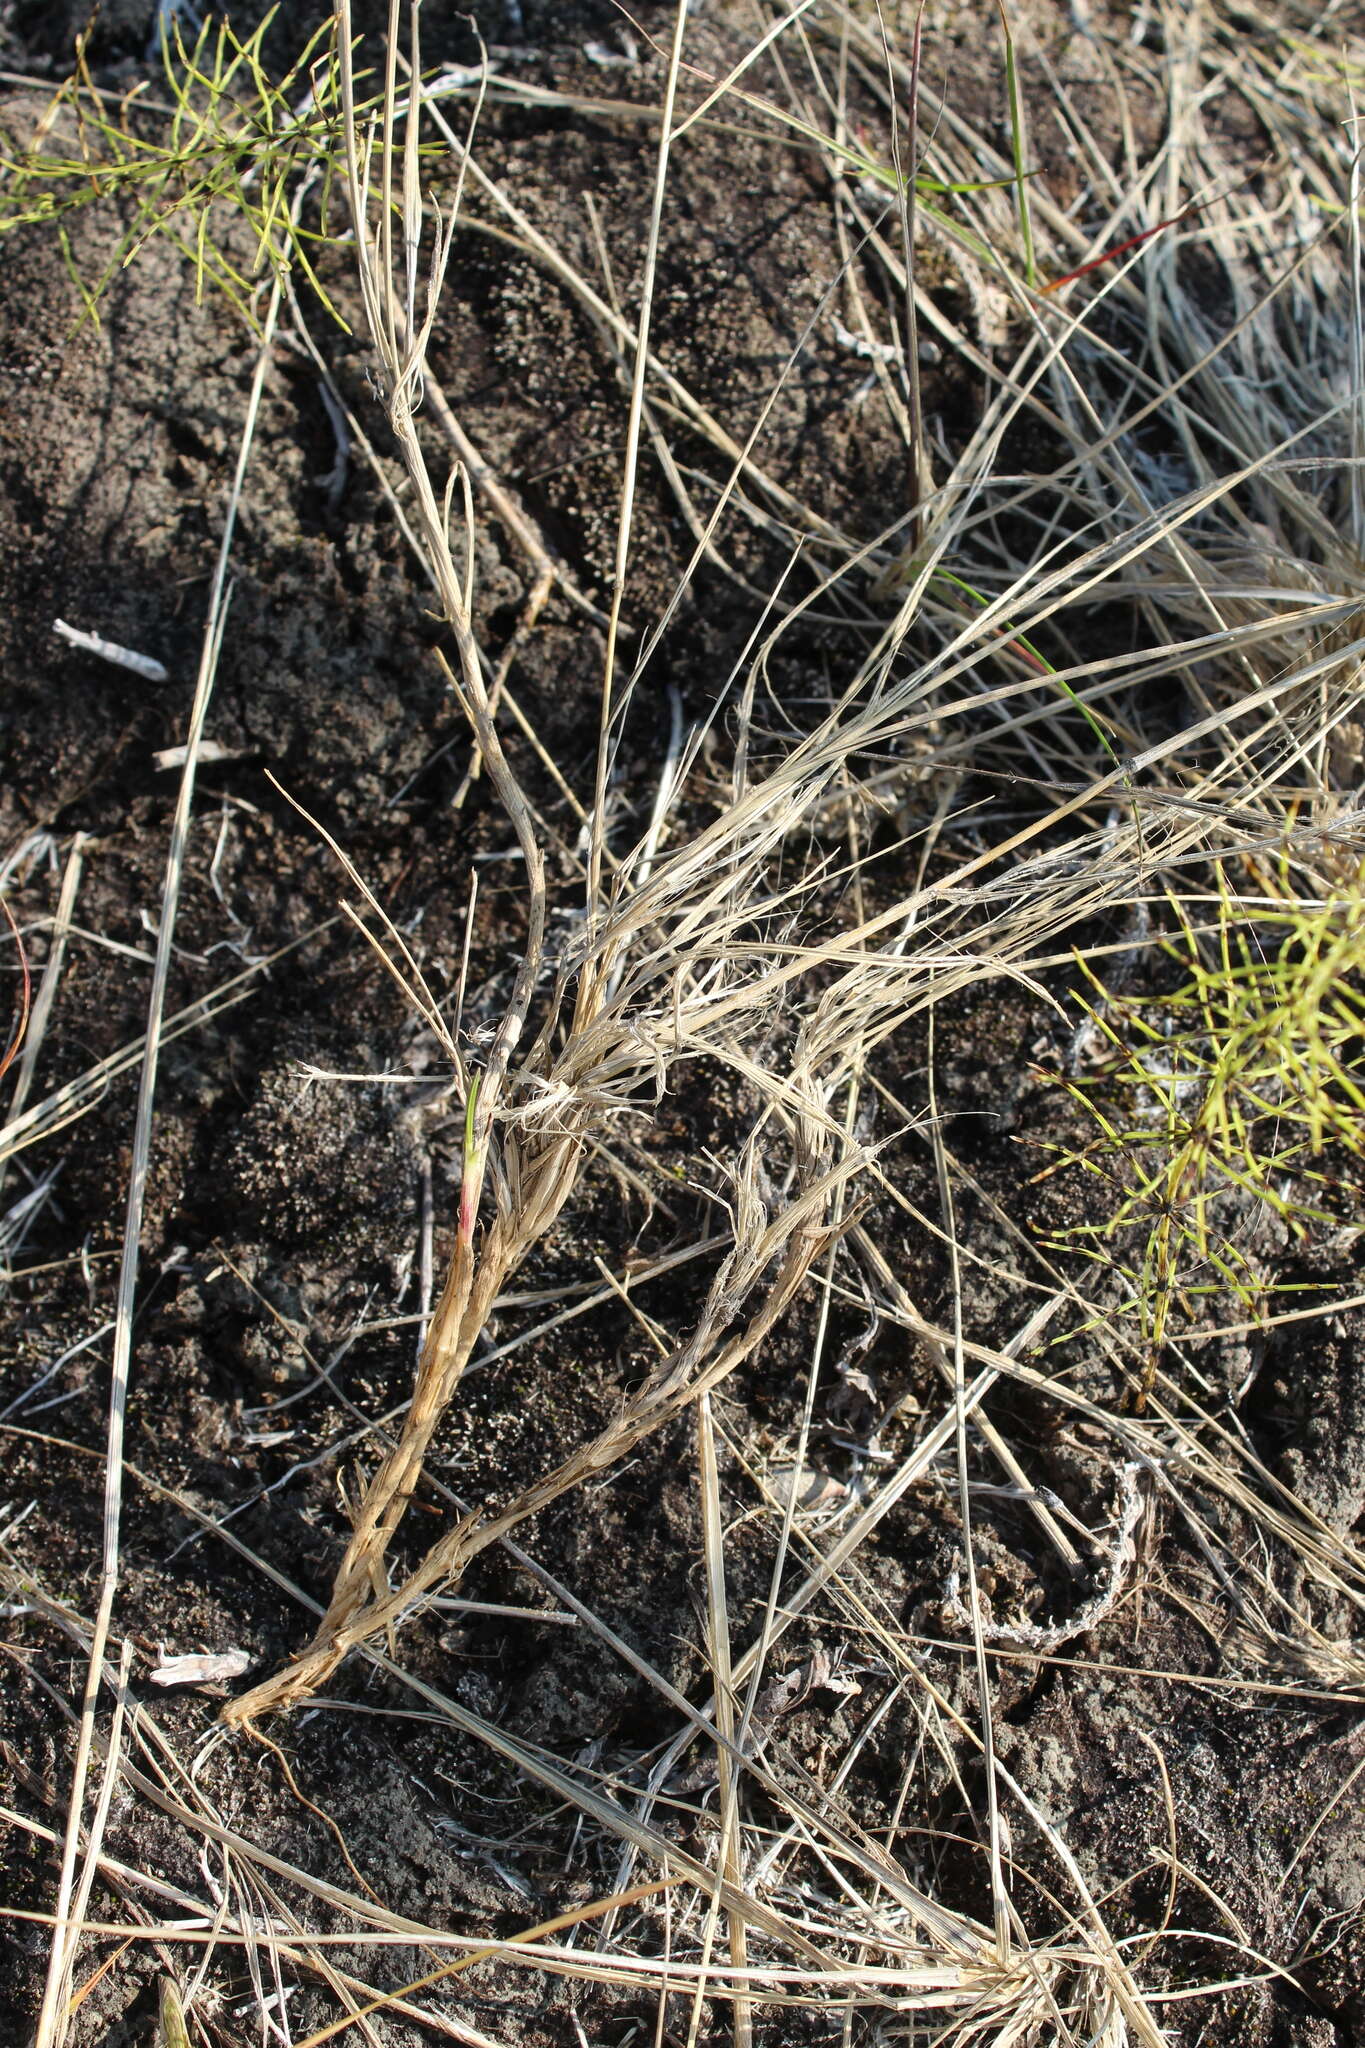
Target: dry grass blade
543	1928
1073	707
54	2017
20	1027
718	1621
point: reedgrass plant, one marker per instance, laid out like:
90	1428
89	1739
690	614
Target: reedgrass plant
1125	681
685	964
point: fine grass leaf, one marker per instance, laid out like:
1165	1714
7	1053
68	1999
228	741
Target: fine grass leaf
171	2029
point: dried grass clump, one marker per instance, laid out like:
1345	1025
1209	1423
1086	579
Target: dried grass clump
1154	780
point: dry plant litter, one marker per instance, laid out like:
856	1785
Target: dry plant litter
1190	794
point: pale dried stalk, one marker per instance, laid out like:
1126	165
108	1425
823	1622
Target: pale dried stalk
673	969
538	1169
473	1282
355	1616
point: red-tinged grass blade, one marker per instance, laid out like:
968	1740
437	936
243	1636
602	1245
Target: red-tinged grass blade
1135	241
25	995
1120	249
1039	663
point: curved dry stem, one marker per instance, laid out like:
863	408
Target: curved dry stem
356	1615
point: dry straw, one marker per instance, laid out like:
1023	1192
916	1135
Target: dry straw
1205	491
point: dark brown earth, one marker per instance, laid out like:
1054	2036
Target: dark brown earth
282	1216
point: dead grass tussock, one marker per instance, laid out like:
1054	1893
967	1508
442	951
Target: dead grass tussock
1207	490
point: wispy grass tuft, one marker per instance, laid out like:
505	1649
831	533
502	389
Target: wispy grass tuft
1126	676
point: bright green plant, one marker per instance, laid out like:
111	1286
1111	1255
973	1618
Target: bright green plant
230	140
1223	1095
